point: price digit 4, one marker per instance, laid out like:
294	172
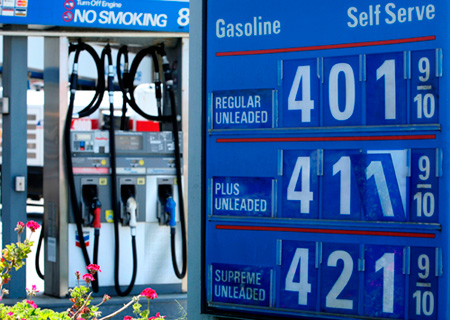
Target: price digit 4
301	170
306	105
300	259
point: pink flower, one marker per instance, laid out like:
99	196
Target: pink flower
157	316
78	275
93	268
106	298
127	318
10	313
33	225
88	278
32	292
19	228
149	293
31	303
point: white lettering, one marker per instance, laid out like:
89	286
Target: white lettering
256	27
238	204
392	14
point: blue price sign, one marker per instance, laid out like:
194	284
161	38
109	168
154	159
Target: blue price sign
340	278
239	196
423	283
384	282
355	154
243	109
300	184
298	276
237	284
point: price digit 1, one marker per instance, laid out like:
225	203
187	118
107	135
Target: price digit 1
386	263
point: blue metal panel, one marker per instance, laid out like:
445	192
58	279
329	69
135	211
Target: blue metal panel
339	183
298	276
386	86
245	197
423	284
424	86
340	278
242	284
153	15
300	184
384	281
342	91
356	156
378	186
243	109
424	185
301	102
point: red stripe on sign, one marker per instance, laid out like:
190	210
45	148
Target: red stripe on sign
313	139
329	231
327	47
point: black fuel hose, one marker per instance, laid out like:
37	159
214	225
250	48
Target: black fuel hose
123	77
38	252
169	87
67	147
180	274
115	203
129	85
94	104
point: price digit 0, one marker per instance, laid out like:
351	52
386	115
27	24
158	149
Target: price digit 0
350	94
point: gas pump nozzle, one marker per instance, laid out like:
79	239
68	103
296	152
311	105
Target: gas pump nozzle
92	205
170	210
131	210
96	209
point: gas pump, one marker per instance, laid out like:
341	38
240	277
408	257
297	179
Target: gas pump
117	179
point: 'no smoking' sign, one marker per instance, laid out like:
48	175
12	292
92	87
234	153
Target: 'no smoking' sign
67	16
69	4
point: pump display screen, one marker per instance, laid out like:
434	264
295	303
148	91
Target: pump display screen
83	137
326	148
129	142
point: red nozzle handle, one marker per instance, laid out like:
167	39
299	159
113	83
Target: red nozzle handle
97	224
